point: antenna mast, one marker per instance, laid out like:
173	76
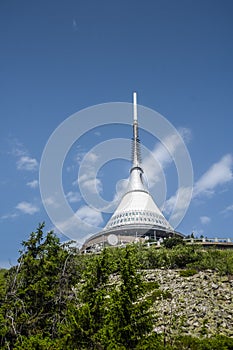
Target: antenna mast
135	112
136	150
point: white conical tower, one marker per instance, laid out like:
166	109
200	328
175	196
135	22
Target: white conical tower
137	206
137	216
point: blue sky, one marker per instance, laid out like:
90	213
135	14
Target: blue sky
58	57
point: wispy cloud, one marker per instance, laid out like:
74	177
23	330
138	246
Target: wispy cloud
93	185
33	183
73	197
218	174
90	216
179	202
27	163
183	193
9	216
24	160
52	202
27	208
228	210
205	220
17	148
88	180
162	155
83	223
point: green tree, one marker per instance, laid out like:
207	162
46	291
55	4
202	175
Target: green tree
38	287
86	313
128	319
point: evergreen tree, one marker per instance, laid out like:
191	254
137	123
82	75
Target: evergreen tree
86	314
38	286
128	318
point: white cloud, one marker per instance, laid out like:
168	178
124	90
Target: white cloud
91	157
52	202
33	183
24	161
27	163
205	220
83	223
121	188
228	209
162	155
73	197
179	202
9	216
79	156
27	208
218	174
91	185
18	148
90	216
87	180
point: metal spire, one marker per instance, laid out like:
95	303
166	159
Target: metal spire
136	148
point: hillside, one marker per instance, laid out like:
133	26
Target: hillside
197	305
136	297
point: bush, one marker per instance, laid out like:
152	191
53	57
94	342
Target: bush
216	260
160	294
37	342
188	273
149	286
173	242
182	256
214	343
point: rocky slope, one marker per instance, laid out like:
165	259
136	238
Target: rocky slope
198	305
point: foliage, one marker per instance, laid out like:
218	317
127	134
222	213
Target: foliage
3	276
57	298
160	294
149	286
37	341
108	313
218	342
86	313
38	287
173	242
128	319
3	286
188	272
216	260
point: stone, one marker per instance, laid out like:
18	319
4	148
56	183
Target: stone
204	300
214	286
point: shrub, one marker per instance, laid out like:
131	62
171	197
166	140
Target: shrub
173	241
149	286
188	273
160	294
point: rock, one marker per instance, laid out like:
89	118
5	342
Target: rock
202	301
214	286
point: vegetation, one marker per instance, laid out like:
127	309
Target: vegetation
57	298
188	272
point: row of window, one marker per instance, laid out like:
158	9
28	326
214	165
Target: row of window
137	212
137	217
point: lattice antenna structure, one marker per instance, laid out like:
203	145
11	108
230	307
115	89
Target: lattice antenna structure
136	151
